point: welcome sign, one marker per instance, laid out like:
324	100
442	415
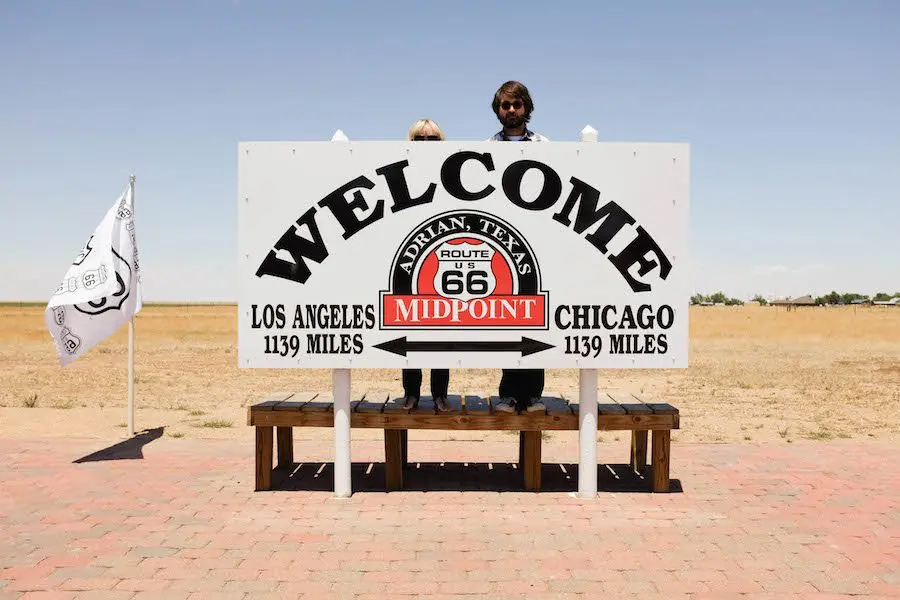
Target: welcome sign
476	254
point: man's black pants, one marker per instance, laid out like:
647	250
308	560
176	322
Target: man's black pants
522	384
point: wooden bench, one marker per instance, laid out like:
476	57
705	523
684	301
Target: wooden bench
379	410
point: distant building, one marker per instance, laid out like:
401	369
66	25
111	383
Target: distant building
791	302
891	302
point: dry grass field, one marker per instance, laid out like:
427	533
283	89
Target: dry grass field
757	375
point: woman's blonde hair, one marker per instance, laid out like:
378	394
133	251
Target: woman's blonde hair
421	125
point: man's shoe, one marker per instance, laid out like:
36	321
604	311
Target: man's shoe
535	405
506	405
441	405
410	403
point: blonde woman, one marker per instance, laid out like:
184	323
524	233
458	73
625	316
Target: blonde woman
421	131
425	130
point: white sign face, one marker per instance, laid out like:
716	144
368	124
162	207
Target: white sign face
463	254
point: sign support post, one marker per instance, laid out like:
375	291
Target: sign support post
340	385
587	407
340	382
587	433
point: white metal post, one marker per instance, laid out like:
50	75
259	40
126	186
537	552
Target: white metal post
587	406
587	433
340	385
340	382
131	347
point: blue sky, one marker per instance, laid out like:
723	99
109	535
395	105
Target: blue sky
791	110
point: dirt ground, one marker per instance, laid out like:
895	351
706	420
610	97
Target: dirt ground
756	375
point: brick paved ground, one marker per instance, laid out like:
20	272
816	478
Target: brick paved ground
177	518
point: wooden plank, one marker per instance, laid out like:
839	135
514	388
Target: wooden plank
393	459
531	460
372	402
455	403
605	405
476	404
639	422
268	403
292	419
296	402
629	403
661	408
464	422
271	400
660	460
425	406
394	405
285	443
556	404
322	402
656	405
263	458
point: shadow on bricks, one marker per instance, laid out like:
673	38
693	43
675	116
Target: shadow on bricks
459	477
130	449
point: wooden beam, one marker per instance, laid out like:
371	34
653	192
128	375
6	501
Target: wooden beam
661	441
263	458
285	442
393	459
531	460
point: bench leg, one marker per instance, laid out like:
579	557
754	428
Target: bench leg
393	459
404	444
530	450
522	450
285	437
639	451
263	458
661	441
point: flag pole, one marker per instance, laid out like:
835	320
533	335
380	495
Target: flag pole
131	349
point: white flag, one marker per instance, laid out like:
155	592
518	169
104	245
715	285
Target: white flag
101	290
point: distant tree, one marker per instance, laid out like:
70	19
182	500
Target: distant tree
762	301
881	297
718	298
849	298
697	299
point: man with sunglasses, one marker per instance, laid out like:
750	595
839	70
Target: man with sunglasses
512	104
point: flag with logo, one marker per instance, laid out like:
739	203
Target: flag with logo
101	290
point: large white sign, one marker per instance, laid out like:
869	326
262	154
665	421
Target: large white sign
463	254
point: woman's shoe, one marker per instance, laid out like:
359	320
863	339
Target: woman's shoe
440	403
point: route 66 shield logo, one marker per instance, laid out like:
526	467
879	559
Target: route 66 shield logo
464	270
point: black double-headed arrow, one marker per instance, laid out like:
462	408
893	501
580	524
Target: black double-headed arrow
526	346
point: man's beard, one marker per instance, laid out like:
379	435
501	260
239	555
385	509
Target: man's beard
513	121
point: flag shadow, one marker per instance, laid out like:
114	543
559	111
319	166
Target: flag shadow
130	449
463	477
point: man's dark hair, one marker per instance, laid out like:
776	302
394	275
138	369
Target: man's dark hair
516	90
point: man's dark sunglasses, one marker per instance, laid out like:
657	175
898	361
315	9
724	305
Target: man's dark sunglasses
517	104
429	138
